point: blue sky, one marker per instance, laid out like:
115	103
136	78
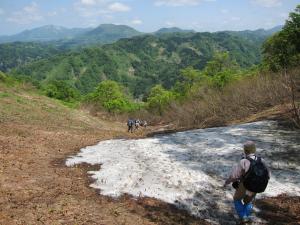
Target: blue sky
145	15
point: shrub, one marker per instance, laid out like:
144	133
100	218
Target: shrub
111	96
159	99
61	90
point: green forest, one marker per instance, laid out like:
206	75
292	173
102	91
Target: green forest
141	62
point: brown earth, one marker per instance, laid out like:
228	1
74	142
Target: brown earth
36	136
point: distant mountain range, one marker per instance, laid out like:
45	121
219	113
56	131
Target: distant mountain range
44	34
103	34
173	30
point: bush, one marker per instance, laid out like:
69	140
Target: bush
111	96
3	77
61	90
159	99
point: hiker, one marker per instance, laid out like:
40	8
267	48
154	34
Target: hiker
137	124
249	177
143	123
130	123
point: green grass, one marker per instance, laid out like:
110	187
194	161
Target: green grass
4	95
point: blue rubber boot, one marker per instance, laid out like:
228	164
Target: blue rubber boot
239	208
248	209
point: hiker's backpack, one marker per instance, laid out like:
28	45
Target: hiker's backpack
257	177
130	123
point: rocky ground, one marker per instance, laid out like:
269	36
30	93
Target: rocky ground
37	134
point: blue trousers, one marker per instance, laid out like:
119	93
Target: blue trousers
243	210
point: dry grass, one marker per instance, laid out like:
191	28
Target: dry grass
211	107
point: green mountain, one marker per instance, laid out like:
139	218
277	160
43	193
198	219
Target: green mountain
256	35
44	34
19	53
172	30
71	38
103	34
142	61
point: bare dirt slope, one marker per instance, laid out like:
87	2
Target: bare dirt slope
36	135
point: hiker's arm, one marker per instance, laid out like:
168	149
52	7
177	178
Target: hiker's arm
238	171
236	174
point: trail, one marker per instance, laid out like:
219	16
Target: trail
188	168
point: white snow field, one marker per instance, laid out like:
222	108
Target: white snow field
189	168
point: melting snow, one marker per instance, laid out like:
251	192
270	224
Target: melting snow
188	168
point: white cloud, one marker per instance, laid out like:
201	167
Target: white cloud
32	8
268	3
27	15
118	7
176	3
93	9
88	2
179	2
137	22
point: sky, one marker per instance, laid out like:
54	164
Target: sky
145	15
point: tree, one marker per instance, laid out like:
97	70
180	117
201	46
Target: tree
282	52
220	62
61	90
111	95
107	91
3	77
159	99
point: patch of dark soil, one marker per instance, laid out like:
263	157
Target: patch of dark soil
160	212
281	210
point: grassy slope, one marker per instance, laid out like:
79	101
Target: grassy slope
19	105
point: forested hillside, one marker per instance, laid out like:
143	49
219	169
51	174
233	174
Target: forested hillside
20	53
142	61
46	41
54	39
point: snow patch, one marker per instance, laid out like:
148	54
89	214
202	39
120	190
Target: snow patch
188	168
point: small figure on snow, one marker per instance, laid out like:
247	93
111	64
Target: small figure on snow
249	177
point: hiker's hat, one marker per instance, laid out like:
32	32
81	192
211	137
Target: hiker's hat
249	147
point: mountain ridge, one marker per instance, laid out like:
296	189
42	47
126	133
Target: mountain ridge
102	34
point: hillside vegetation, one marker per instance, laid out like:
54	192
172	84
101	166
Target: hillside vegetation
141	62
20	53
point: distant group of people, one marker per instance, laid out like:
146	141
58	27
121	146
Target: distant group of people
135	124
